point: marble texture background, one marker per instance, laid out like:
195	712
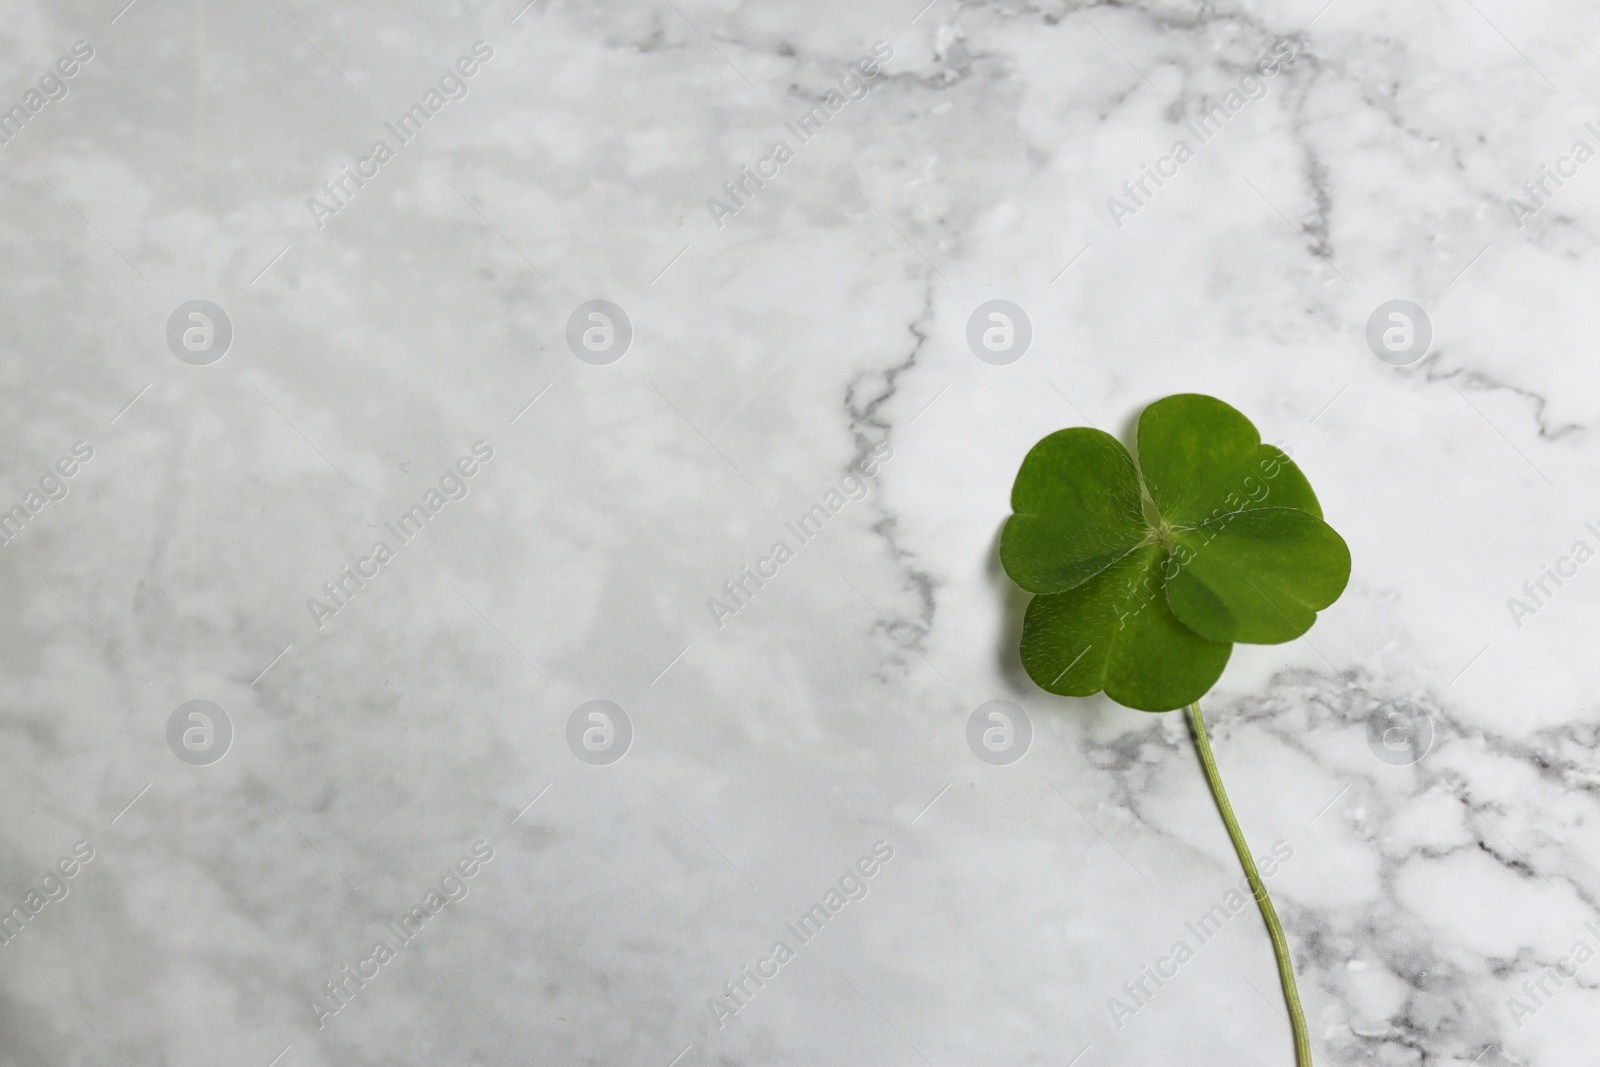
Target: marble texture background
825	318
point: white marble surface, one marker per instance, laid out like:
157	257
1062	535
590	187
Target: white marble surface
824	318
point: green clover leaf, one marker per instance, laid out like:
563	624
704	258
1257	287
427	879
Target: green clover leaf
1147	574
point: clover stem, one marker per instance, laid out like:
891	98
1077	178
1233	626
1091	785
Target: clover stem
1280	946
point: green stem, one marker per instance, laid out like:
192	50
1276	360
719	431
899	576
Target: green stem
1280	946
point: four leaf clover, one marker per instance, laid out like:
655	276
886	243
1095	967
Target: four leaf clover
1147	573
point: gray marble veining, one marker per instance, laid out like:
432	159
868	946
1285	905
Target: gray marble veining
399	501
